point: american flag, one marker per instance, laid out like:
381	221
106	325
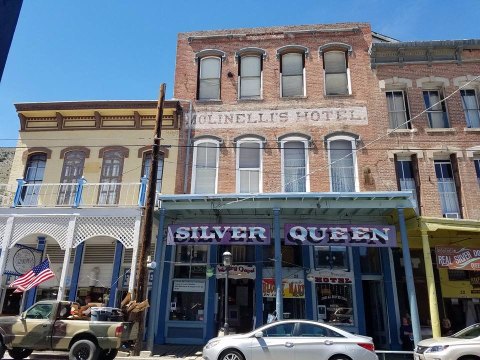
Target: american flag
37	275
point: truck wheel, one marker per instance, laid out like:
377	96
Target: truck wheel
19	353
108	354
83	350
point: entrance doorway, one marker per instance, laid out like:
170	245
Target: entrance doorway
241	306
375	312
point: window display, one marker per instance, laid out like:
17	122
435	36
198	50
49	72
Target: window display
335	301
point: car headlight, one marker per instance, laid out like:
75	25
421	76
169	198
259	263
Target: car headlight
436	348
211	344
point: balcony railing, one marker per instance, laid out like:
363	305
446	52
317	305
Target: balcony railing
79	194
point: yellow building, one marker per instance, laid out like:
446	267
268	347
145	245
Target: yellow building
75	195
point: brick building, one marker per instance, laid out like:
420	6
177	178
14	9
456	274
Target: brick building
271	109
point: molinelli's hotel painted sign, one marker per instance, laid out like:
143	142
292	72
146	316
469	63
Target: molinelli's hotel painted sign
352	115
340	235
458	258
243	234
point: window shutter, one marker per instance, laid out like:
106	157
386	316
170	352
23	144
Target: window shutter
456	179
397	170
416	176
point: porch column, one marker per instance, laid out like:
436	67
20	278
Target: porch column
133	266
407	264
7	234
278	264
156	282
31	294
66	259
432	292
117	264
77	265
258	286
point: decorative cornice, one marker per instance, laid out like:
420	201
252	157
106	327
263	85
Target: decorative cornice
125	151
75	148
34	150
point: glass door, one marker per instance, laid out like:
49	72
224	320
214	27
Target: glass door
375	312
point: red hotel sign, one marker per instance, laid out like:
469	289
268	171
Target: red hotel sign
458	258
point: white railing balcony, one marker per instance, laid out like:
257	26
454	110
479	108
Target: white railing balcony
79	194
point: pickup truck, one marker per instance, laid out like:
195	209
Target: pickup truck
47	325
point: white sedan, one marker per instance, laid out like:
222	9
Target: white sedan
289	340
464	345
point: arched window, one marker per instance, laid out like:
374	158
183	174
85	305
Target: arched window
209	78
34	172
73	164
205	166
342	161
147	165
292	67
250	76
337	75
249	165
295	176
111	177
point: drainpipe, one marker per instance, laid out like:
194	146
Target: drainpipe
187	148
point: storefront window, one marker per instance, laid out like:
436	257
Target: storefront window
335	302
332	257
188	293
370	260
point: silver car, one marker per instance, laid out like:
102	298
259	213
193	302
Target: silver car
289	340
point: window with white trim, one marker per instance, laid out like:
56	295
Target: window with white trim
292	73
33	175
249	166
406	179
397	110
250	77
471	108
436	109
447	188
295	165
209	78
205	167
337	79
342	161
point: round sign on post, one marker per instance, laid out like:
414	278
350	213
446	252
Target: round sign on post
209	272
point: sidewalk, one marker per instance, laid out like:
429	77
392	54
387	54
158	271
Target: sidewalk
167	352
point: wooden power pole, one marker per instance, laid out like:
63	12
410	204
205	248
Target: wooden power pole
146	231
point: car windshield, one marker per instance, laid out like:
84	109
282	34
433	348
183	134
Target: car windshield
468	333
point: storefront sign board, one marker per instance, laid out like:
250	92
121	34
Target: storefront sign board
21	259
243	234
458	258
340	235
292	288
236	272
188	286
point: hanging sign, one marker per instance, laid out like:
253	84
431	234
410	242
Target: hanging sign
236	272
458	258
21	259
243	234
292	288
341	235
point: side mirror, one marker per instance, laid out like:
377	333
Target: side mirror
259	334
23	315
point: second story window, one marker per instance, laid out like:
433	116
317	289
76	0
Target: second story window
209	78
342	164
471	108
205	167
397	110
437	111
447	189
72	171
249	160
250	74
477	170
406	177
294	165
34	173
292	67
147	165
111	177
336	73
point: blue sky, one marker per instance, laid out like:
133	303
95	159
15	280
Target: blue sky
124	49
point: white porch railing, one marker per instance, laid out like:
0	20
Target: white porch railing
81	194
7	194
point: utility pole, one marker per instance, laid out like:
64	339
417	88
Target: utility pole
146	238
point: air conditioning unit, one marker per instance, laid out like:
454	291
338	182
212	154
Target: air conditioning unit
452	215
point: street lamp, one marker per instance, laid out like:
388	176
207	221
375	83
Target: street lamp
227	262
